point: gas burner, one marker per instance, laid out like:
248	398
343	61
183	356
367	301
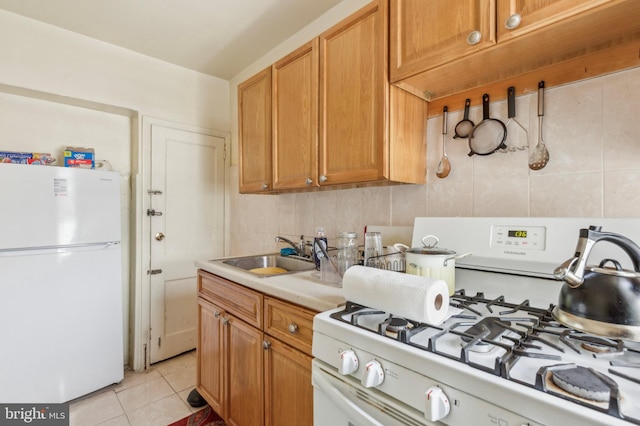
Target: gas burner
488	329
582	385
597	347
393	325
582	382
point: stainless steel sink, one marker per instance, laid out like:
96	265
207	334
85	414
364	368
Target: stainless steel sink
288	264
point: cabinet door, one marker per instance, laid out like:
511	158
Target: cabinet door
517	17
211	356
425	34
288	388
254	133
245	372
354	98
295	118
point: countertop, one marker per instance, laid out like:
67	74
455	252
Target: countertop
301	288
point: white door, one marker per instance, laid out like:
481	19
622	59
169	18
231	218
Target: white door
187	194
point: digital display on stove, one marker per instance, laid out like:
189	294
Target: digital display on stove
517	233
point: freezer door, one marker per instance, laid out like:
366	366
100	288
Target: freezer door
44	206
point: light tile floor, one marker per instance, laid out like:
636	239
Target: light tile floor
155	397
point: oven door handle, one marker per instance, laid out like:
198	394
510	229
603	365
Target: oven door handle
341	400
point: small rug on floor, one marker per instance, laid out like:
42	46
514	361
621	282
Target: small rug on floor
204	417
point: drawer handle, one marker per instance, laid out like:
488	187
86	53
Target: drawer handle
293	328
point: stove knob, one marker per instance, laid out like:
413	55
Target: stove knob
373	374
437	404
348	362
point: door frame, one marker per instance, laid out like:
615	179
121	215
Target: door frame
140	312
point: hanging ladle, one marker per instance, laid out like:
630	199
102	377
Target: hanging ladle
444	167
539	157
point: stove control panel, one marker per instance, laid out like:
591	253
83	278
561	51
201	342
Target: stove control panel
422	398
518	237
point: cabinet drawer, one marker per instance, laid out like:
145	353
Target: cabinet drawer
235	299
289	323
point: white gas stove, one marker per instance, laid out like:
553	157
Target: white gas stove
499	359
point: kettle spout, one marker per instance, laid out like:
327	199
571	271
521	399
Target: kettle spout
564	272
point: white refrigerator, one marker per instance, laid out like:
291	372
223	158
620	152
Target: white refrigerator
61	325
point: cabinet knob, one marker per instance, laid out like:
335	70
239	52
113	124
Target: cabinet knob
216	314
322	179
474	37
308	181
225	321
265	186
513	21
293	328
266	345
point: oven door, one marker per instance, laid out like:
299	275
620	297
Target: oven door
342	401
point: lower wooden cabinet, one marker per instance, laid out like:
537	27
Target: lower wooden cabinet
246	371
244	374
211	356
288	390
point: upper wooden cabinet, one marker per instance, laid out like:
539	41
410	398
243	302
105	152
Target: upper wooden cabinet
295	118
357	107
425	34
558	41
518	17
254	133
353	83
336	119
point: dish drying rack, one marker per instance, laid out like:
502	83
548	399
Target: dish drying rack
390	262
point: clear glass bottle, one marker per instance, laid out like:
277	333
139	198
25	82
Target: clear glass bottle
348	247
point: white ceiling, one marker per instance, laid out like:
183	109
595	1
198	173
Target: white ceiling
215	37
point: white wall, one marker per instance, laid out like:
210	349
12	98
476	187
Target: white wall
49	59
58	88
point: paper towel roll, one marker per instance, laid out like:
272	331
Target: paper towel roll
409	296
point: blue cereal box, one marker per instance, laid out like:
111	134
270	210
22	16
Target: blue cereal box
35	158
79	157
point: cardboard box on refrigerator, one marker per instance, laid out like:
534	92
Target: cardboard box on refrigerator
35	158
80	157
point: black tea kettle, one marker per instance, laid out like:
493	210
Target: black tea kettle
602	299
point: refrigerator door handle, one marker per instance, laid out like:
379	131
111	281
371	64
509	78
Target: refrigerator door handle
63	248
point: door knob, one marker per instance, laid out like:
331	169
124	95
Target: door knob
159	236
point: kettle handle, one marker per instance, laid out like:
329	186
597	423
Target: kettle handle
629	247
572	270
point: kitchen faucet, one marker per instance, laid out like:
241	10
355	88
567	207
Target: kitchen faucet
299	248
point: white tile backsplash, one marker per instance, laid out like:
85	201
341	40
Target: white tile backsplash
590	128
